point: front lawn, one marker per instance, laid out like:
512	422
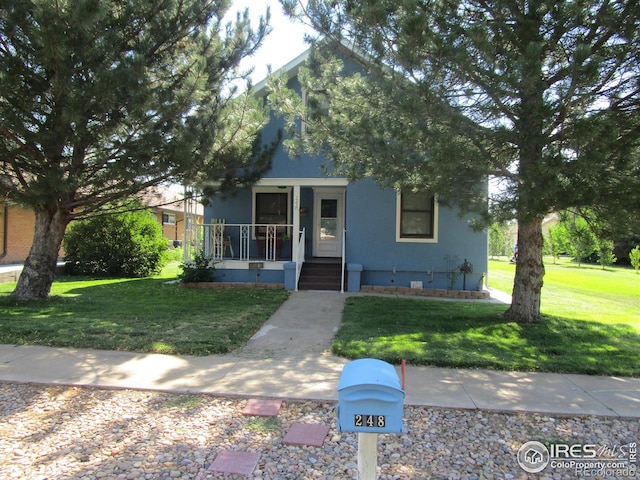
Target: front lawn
582	292
591	325
141	315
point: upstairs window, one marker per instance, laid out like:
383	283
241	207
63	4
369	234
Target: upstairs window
417	216
316	105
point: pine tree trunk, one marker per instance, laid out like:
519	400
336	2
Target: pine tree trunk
525	302
40	266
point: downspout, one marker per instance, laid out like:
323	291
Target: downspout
185	241
5	233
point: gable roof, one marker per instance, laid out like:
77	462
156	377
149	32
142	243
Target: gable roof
292	67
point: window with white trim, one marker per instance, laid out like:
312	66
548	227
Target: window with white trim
168	219
417	217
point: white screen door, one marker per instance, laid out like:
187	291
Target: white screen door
328	224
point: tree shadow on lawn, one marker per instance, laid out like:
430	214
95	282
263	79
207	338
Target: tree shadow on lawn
476	336
143	315
82	295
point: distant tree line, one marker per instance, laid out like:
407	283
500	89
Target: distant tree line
581	235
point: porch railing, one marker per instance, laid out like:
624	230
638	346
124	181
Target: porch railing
299	257
240	241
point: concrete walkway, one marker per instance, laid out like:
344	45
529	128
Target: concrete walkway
289	358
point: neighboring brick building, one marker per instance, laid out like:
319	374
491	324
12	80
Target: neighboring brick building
16	232
168	207
17	224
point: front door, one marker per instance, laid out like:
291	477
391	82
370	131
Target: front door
328	218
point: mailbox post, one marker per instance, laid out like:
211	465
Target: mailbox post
370	401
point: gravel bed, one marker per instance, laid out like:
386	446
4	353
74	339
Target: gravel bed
55	433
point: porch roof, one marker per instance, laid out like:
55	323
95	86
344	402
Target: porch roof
303	182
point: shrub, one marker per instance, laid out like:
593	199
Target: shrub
176	254
127	244
583	241
634	257
606	256
200	269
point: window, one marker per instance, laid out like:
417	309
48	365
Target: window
417	217
270	206
168	219
316	105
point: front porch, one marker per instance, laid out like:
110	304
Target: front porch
260	253
254	253
274	227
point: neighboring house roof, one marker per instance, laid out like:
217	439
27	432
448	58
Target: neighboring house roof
162	198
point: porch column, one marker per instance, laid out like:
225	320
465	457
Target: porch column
295	235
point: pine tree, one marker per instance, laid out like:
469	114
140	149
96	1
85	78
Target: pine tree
100	99
543	95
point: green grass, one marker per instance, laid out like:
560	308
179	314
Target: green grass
587	292
592	322
140	315
264	424
591	326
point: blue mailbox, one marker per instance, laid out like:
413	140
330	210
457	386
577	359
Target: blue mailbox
370	398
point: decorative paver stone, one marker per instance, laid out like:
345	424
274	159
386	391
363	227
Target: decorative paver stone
235	462
262	408
306	434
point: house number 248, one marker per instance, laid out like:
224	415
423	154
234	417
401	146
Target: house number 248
371	421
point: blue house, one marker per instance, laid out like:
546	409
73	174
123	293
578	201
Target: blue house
299	227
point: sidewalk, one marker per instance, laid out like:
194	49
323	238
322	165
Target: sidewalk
10	273
289	358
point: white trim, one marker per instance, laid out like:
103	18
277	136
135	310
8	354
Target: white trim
244	264
290	68
303	182
294	65
416	240
295	234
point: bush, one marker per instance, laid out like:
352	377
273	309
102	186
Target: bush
127	244
176	254
606	256
199	269
634	258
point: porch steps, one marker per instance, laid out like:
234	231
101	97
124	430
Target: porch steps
320	275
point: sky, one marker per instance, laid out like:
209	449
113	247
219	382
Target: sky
283	44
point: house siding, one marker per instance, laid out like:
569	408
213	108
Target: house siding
283	166
370	222
370	219
371	242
